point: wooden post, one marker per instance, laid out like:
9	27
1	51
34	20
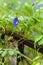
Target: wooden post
21	49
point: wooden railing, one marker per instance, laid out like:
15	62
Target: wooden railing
29	43
23	41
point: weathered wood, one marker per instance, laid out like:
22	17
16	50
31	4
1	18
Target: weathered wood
21	49
27	42
21	42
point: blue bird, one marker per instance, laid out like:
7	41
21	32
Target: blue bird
15	21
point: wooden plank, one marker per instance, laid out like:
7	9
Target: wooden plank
27	42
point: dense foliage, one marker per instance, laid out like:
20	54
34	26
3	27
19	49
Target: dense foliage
30	24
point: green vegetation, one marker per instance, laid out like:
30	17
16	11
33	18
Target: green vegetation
30	26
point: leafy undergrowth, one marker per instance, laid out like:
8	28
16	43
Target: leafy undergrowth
25	19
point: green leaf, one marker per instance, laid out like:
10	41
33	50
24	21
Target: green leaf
36	63
4	53
1	51
40	42
11	52
3	42
17	52
36	58
37	37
